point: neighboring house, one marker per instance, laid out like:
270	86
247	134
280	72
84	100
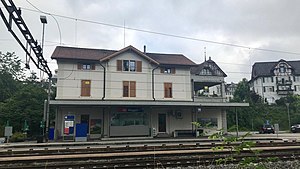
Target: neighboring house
229	91
128	92
273	80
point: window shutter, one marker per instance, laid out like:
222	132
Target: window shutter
263	80
79	66
139	66
173	70
85	88
125	88
93	66
132	89
166	90
119	65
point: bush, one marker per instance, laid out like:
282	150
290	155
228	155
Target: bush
1	131
17	137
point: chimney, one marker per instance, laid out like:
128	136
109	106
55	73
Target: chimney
144	48
209	58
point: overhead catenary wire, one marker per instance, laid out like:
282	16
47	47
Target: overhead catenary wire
165	34
51	16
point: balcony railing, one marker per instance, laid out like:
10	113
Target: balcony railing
284	92
283	83
208	99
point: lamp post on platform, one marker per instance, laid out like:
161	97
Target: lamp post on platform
288	113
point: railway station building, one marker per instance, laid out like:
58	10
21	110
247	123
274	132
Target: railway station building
132	93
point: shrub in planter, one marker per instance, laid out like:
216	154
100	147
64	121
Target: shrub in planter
17	137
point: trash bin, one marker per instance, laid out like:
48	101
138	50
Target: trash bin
39	139
51	134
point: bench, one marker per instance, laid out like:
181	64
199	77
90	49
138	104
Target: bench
185	133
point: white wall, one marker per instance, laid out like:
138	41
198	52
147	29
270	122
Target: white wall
69	81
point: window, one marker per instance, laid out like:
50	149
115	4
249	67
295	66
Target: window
85	88
129	89
282	69
129	119
129	65
168	90
208	122
85	66
269	89
205	71
132	65
167	70
125	65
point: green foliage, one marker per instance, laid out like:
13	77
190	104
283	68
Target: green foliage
251	118
1	130
11	64
20	98
17	137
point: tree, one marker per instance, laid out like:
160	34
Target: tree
11	64
21	98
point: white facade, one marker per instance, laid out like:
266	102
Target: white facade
279	82
69	81
150	98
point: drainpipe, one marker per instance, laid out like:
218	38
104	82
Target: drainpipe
104	80
153	82
193	90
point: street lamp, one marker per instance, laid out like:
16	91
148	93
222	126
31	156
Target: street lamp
43	21
288	112
46	104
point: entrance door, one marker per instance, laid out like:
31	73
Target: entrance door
162	123
85	118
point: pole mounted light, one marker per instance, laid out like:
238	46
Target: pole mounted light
288	113
43	20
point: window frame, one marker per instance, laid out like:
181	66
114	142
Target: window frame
129	88
129	65
85	66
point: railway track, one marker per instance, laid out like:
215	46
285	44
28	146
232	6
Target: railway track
163	156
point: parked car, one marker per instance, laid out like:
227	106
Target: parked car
295	128
266	128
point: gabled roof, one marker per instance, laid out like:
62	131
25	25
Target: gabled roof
128	48
73	53
261	69
196	70
62	52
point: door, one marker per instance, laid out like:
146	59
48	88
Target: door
85	119
162	123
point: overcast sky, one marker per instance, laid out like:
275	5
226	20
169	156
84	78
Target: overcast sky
267	24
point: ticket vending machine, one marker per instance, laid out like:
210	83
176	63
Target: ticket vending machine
69	121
